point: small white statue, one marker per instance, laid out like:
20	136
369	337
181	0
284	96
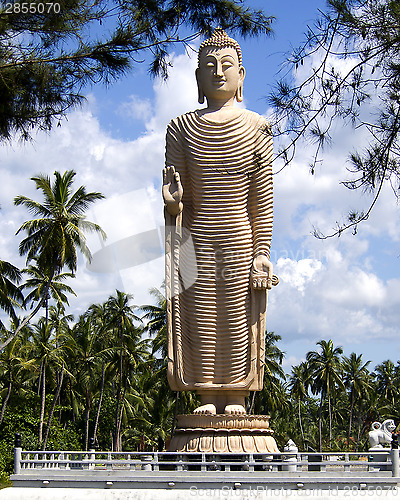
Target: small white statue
381	434
291	447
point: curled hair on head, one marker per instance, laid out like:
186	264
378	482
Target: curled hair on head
221	40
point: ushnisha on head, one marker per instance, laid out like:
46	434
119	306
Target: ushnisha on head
220	73
220	39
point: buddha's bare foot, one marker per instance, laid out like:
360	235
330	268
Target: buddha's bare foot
235	410
208	409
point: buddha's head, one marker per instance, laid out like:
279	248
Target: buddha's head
220	73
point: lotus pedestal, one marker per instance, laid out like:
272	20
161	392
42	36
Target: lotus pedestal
223	434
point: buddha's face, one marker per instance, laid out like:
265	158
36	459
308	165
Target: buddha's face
219	74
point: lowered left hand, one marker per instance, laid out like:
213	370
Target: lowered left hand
261	273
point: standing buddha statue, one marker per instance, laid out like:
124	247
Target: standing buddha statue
217	190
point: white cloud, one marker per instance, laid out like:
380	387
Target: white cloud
298	273
176	95
355	289
135	107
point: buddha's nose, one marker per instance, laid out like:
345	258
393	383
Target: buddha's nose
218	70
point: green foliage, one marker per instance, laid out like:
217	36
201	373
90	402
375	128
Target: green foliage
6	464
22	417
106	421
47	58
6	461
10	294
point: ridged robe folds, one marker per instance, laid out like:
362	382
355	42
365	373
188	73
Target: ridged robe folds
216	322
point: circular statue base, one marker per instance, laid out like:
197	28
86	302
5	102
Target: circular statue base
223	434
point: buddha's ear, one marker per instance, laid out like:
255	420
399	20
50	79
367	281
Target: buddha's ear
199	89
239	92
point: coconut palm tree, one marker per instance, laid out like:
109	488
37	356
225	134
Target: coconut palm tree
87	359
356	380
155	319
135	359
10	366
387	379
60	323
53	406
97	315
273	394
121	320
325	368
298	384
151	422
273	355
58	228
48	358
44	286
10	294
120	312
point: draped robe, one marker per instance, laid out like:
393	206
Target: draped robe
215	320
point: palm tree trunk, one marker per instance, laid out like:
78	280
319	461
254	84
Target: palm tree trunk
330	420
253	399
53	406
175	413
4	405
118	437
115	432
360	433
39	384
301	423
99	405
350	417
87	416
43	402
119	390
47	307
320	422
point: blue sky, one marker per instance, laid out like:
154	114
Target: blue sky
346	289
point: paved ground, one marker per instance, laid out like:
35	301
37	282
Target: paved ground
383	492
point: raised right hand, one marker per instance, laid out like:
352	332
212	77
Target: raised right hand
172	190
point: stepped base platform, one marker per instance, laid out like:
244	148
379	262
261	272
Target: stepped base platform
185	480
183	486
223	434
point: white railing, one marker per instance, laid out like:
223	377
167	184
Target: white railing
347	463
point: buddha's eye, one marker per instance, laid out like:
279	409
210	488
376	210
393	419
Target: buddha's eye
210	65
226	65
